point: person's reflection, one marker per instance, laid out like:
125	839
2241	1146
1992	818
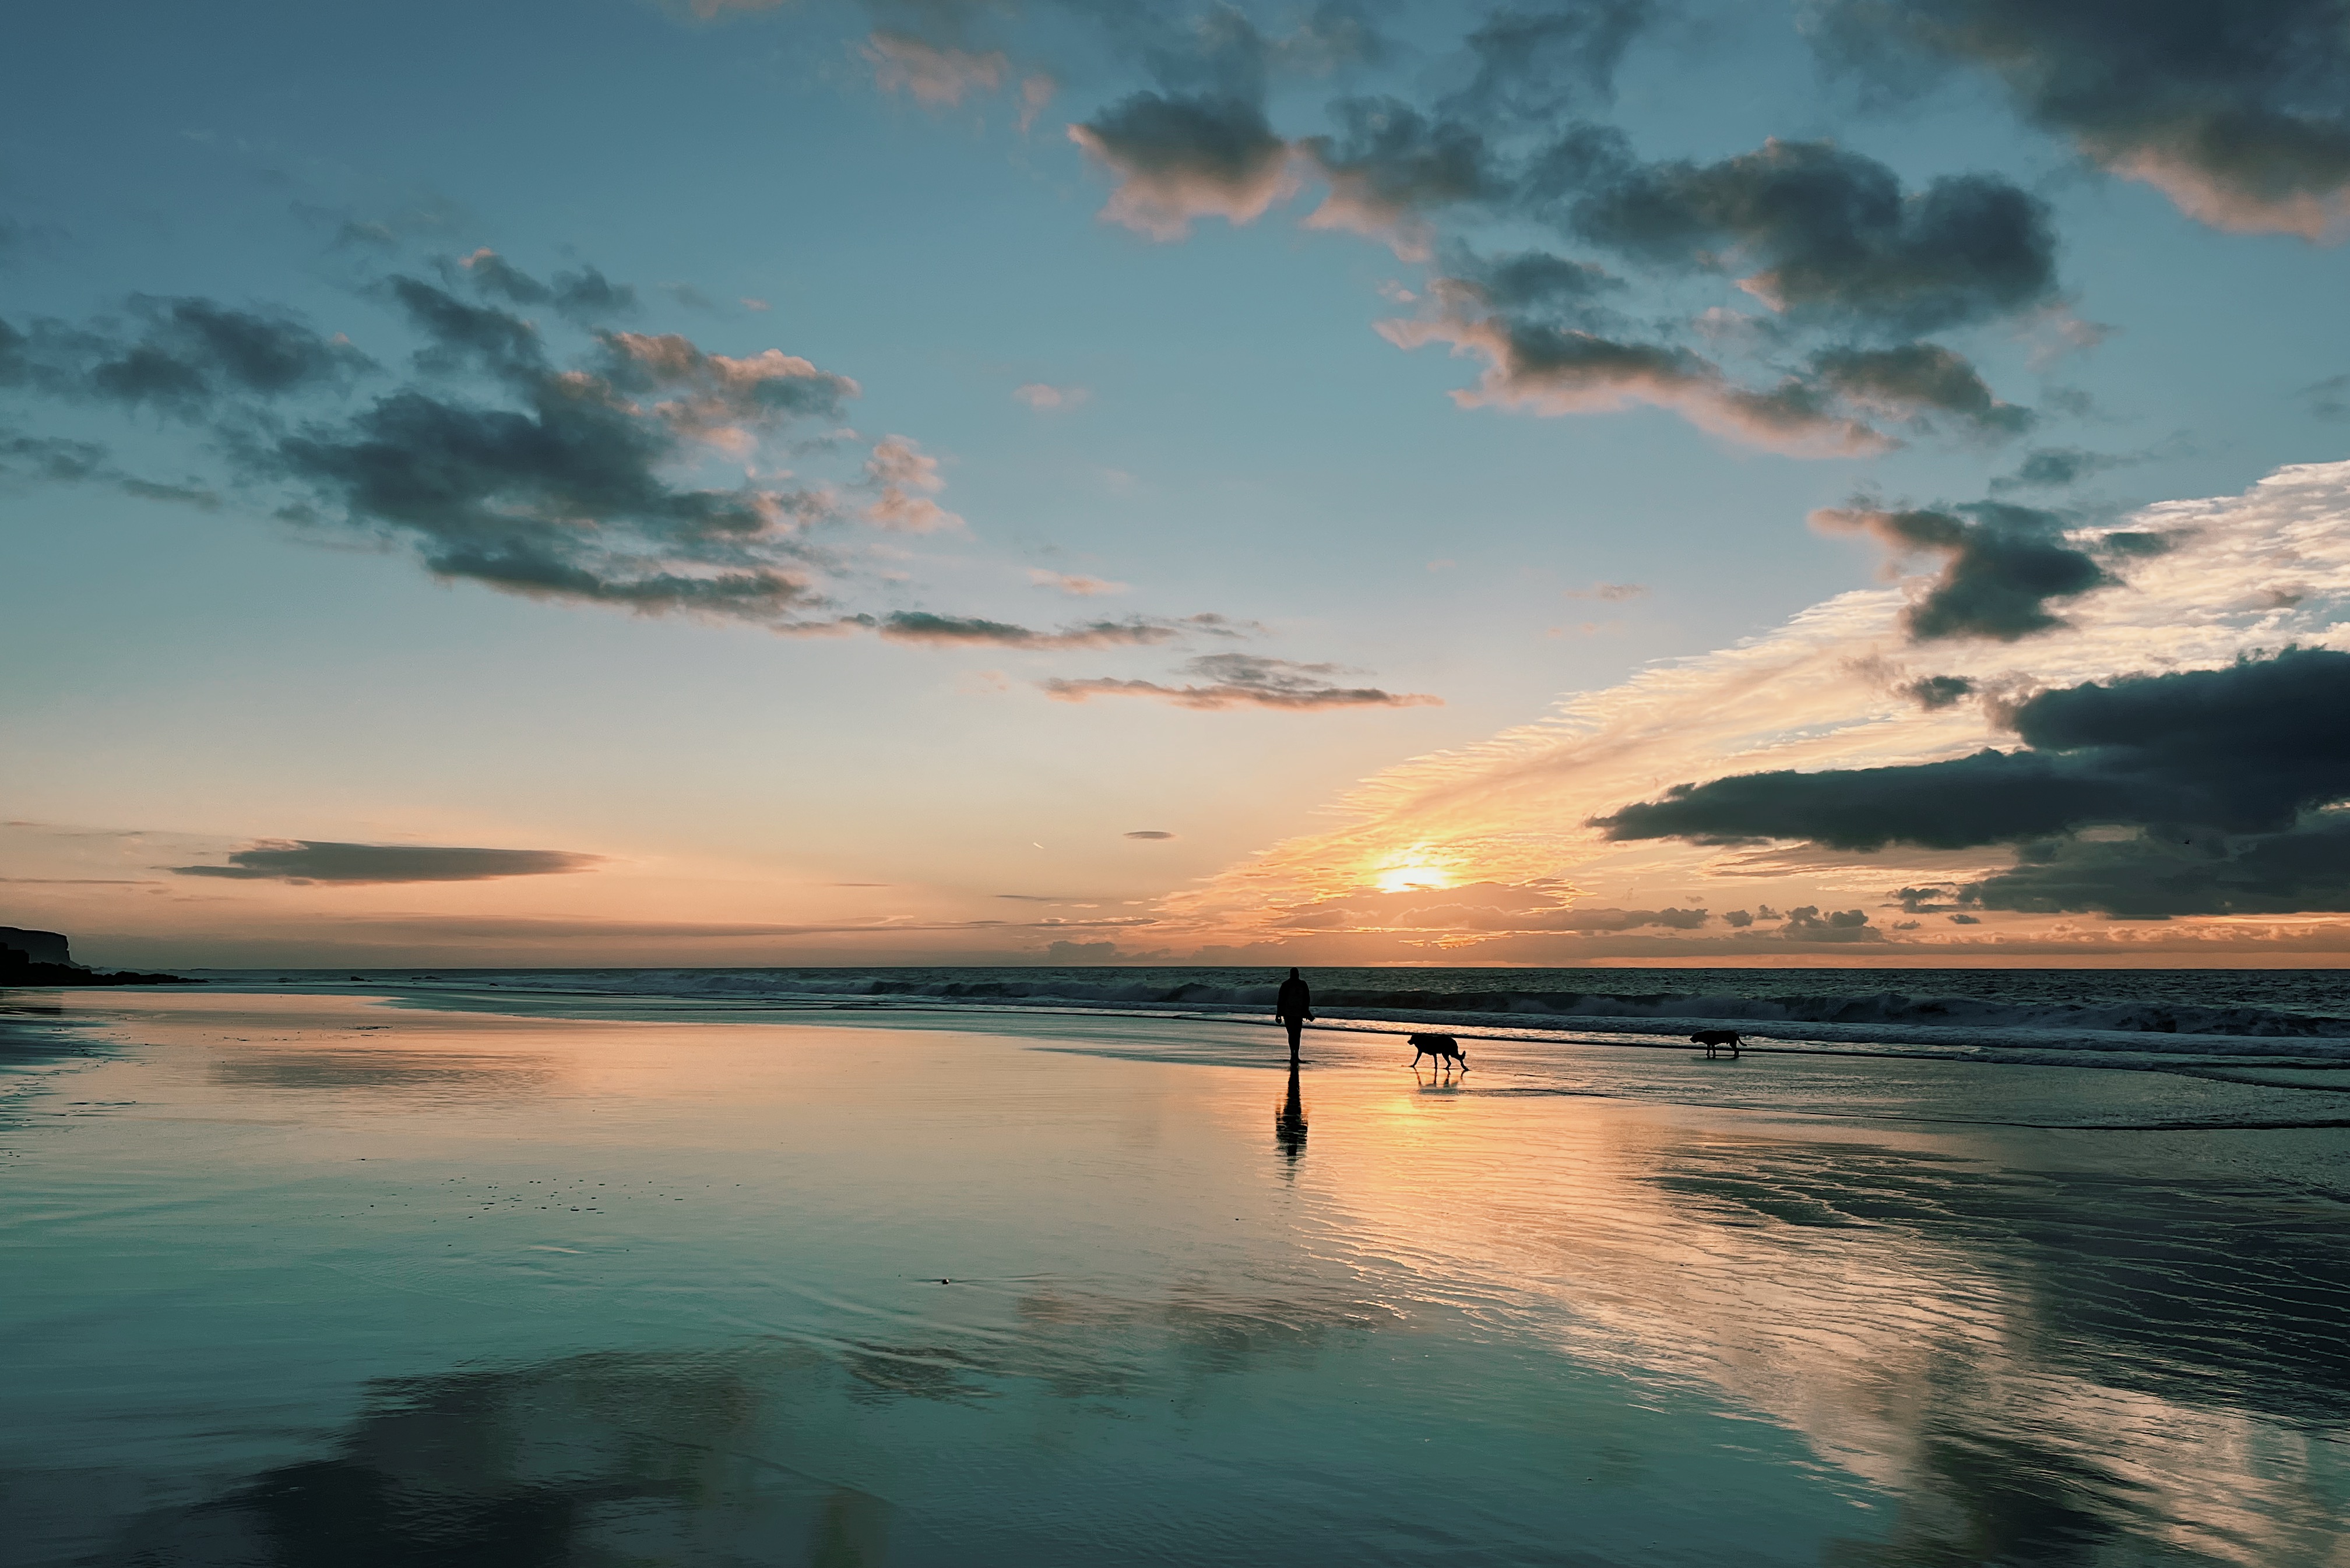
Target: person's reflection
1289	1122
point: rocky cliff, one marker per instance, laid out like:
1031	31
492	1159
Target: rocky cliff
38	947
42	958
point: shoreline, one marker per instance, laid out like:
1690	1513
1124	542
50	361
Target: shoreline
1024	1288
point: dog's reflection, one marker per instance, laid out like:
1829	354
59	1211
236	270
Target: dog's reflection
1289	1121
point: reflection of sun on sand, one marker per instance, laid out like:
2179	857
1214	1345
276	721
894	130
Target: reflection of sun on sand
1895	1354
1932	1345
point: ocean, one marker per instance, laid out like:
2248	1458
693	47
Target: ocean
2022	1015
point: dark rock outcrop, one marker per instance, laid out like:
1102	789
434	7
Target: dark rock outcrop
41	958
37	947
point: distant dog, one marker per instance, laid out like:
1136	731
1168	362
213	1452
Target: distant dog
1439	1046
1713	1040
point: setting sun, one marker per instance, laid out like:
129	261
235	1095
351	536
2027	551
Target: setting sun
1412	876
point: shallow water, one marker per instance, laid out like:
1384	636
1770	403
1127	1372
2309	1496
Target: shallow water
305	1281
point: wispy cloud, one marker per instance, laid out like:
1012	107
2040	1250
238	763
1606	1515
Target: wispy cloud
1831	693
933	74
1047	399
1246	680
1075	584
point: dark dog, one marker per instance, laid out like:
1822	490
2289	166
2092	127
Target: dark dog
1713	1040
1439	1046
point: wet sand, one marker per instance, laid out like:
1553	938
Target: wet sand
308	1279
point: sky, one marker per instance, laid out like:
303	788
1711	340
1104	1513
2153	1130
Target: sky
1615	481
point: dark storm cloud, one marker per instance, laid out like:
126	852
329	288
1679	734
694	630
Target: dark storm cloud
1246	680
2001	565
304	861
1937	691
1917	382
2165	872
1827	232
2220	769
2237	109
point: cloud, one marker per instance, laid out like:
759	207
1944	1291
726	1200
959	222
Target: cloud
1935	692
1827	232
1149	833
2053	467
1472	912
1917	381
2244	749
56	459
935	76
922	627
492	274
1534	65
1550	369
1813	698
1246	680
1073	585
1393	164
1178	157
1046	399
728	402
2165	872
1807	924
191	356
567	495
2328	399
1610	593
907	478
2001	565
2238	111
307	861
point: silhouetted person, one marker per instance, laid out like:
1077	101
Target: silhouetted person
1289	1122
1294	1004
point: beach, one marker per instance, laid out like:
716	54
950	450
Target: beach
386	1277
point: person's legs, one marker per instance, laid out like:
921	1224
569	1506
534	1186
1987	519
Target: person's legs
1295	1026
